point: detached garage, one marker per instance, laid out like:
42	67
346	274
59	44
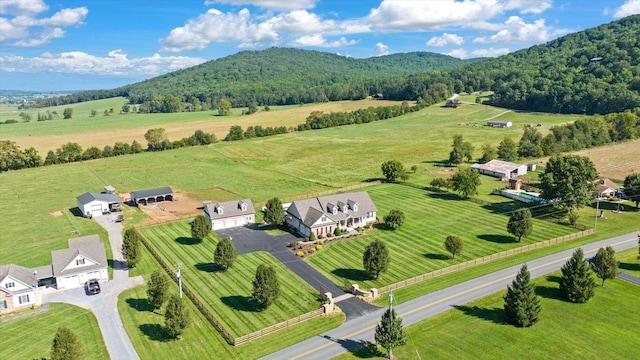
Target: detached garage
148	196
85	259
230	214
94	204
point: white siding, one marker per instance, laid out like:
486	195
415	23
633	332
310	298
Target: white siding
93	208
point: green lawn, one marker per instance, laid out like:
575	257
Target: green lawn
430	218
31	337
200	340
605	327
228	294
629	261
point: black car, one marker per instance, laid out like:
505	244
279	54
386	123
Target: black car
93	286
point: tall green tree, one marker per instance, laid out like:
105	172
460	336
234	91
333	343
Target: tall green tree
507	150
266	287
224	107
131	246
274	212
69	152
376	258
521	304
200	227
225	254
530	144
489	153
462	151
394	219
577	284
66	345
235	133
466	182
569	180
155	137
67	113
157	289
454	245
520	223
390	333
604	264
176	317
392	170
632	187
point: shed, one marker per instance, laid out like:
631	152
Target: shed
499	124
94	204
152	195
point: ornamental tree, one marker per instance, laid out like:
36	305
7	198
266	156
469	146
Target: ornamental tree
376	258
176	317
521	304
520	223
577	284
390	333
225	254
604	264
453	244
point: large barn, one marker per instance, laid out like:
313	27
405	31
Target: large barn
503	170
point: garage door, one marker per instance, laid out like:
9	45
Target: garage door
96	210
229	223
217	225
240	222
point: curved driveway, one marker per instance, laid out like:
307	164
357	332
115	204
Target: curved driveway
353	334
104	305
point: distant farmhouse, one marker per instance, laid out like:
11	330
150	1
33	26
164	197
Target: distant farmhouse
322	215
606	188
453	102
499	124
230	214
502	170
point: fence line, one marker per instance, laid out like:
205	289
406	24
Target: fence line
484	259
323	193
273	328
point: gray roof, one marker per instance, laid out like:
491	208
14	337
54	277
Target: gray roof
89	247
312	209
161	191
18	273
230	209
91	196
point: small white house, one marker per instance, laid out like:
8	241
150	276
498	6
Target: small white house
85	259
17	288
499	124
230	214
94	204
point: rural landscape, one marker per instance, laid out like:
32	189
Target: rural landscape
425	138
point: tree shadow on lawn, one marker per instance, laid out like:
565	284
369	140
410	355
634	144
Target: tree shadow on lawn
208	267
154	332
550	292
360	348
629	266
500	239
352	274
140	304
188	241
443	196
241	303
433	256
495	315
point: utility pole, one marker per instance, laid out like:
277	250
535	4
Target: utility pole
179	275
595	220
391	321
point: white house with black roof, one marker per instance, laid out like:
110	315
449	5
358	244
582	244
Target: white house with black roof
147	196
230	214
94	204
323	214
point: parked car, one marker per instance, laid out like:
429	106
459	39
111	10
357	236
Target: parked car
120	218
93	287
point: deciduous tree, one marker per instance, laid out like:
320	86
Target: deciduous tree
394	219
67	113
466	182
158	289
569	180
577	284
454	245
462	151
507	150
224	107
390	333
604	264
274	212
235	133
521	304
225	253
520	223
392	170
155	137
200	227
632	187
266	287
176	317
489	153
131	246
376	258
66	345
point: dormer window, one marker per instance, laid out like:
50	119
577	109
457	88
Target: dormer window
335	210
219	209
345	208
243	206
355	207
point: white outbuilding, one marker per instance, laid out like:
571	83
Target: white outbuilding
94	204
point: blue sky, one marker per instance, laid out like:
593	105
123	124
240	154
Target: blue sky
50	45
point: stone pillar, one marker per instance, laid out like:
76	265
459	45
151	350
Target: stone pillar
328	297
355	289
327	308
374	293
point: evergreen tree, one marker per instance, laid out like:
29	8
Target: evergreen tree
604	264
225	254
176	317
266	287
200	227
376	258
453	244
274	213
66	345
131	246
390	333
521	304
577	284
520	223
158	289
394	219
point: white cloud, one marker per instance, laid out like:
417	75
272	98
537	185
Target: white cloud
517	30
630	7
317	40
446	39
529	6
28	30
116	63
490	52
382	49
269	4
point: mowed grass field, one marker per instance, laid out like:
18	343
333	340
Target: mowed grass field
604	327
417	247
101	130
31	337
228	294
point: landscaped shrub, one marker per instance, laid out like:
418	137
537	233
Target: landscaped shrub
318	247
321	236
300	253
329	234
320	242
293	244
312	250
312	237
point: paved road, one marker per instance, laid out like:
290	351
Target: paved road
630	278
104	305
355	333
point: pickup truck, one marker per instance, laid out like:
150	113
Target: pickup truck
93	287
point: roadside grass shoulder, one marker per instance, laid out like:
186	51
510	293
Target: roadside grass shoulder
31	337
